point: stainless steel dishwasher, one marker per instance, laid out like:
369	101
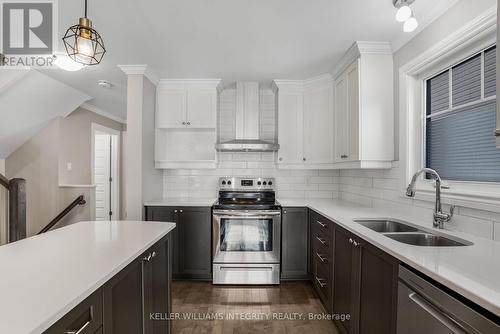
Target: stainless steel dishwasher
424	308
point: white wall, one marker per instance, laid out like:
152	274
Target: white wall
2	166
142	180
382	188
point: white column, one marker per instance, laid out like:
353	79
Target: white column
142	181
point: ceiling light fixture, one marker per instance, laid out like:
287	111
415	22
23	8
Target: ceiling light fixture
405	14
104	84
63	61
83	43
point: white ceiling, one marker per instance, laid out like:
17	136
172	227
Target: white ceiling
229	39
23	117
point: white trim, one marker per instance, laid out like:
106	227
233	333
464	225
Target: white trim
176	82
356	50
99	111
471	39
141	69
76	185
434	14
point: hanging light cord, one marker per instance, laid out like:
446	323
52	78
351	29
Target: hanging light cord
85	8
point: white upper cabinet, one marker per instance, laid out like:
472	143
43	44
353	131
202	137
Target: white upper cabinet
318	122
186	103
305	123
186	118
171	108
364	107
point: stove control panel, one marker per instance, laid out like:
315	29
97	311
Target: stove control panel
241	183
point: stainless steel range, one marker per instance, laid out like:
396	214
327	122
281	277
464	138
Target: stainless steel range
246	232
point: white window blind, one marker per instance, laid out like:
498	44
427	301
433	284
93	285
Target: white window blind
460	121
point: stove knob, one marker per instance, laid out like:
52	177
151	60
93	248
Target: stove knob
265	183
228	183
270	183
259	183
223	183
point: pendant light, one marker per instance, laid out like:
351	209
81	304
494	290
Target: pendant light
83	43
405	14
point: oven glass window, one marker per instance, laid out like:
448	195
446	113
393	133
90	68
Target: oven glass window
246	235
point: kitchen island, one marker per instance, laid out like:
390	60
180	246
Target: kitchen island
87	275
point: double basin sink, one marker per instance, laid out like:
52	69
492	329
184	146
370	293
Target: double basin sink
410	234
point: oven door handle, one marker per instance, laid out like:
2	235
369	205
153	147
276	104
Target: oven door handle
245	217
252	214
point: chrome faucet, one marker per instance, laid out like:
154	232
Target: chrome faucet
440	217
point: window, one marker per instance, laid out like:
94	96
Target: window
461	120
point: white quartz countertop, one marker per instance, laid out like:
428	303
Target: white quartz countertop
472	271
181	201
44	277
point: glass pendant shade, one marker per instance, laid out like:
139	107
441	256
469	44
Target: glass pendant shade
403	13
83	43
410	25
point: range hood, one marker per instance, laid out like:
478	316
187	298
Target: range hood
247	122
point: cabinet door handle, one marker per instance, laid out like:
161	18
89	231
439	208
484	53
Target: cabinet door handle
148	257
153	254
188	123
321	224
497	133
303	159
344	156
321	257
183	123
356	244
351	241
280	159
181	211
321	240
175	211
284	211
321	281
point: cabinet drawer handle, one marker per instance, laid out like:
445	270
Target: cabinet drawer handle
321	240
84	326
351	241
321	257
344	156
148	257
321	224
321	281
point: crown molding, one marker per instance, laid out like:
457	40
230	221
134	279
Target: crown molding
358	49
214	82
141	69
99	111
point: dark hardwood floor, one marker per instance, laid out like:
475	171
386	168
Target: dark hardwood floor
219	309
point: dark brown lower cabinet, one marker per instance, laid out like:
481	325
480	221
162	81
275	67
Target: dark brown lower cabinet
123	304
294	244
191	240
365	286
343	278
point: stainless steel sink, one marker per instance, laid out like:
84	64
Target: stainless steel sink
426	239
410	234
386	226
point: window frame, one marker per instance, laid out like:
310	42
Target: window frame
473	38
454	109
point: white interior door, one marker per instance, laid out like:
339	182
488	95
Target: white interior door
105	172
102	175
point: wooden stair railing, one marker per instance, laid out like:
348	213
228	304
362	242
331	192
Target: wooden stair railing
80	200
17	207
